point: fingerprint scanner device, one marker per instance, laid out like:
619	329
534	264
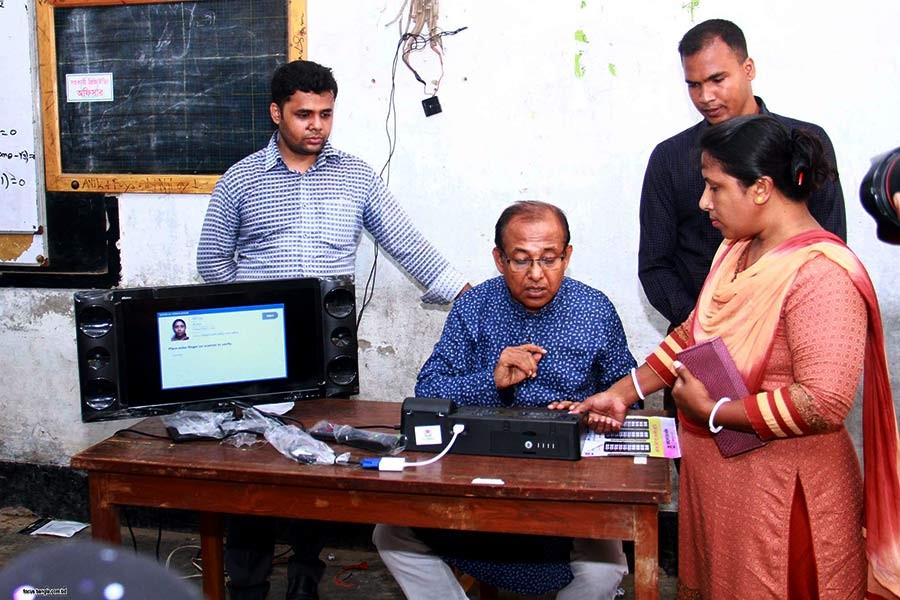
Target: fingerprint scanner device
526	432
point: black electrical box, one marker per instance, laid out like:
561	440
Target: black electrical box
432	106
527	432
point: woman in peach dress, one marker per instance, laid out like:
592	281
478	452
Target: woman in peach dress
798	314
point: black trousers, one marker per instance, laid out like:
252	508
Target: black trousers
250	548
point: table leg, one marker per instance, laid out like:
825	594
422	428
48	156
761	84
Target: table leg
646	553
212	556
104	516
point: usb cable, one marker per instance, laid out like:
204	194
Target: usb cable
398	463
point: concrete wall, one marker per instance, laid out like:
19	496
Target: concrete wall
517	124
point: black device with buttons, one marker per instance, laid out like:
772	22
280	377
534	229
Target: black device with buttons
526	432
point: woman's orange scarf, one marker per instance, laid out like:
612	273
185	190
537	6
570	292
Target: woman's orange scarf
744	312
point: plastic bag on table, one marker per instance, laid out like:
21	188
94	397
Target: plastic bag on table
195	425
252	421
295	443
242	439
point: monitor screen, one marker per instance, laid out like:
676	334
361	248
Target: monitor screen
221	345
251	341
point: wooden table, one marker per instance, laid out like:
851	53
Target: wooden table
606	498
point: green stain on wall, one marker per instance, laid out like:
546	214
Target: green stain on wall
579	68
612	69
692	5
580	37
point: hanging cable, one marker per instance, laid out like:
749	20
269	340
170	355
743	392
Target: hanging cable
411	40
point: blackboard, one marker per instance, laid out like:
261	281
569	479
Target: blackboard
159	96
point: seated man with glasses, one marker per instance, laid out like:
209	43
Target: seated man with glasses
528	338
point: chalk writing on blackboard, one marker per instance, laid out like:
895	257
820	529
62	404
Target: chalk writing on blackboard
191	84
191	88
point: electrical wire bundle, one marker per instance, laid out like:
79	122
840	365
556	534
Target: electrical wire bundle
421	13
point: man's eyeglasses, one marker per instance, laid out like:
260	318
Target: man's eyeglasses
546	263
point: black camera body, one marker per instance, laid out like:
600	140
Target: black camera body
877	192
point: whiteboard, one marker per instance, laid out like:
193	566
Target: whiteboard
20	182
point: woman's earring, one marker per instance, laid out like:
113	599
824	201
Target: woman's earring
760	199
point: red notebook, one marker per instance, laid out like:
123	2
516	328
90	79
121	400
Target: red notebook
711	363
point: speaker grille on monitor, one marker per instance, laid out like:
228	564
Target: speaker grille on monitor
95	331
99	394
339	302
339	336
96	321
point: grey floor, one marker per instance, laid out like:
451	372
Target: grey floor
352	573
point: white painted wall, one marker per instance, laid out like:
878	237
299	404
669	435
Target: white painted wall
517	124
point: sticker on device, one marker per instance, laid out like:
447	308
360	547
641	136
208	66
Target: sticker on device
89	87
428	435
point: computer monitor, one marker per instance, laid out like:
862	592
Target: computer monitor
145	351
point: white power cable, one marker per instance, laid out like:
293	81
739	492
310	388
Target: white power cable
398	463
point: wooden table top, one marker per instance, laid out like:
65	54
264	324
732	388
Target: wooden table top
595	479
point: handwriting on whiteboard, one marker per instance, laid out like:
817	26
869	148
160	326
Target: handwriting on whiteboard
9	175
21	193
8	180
23	155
